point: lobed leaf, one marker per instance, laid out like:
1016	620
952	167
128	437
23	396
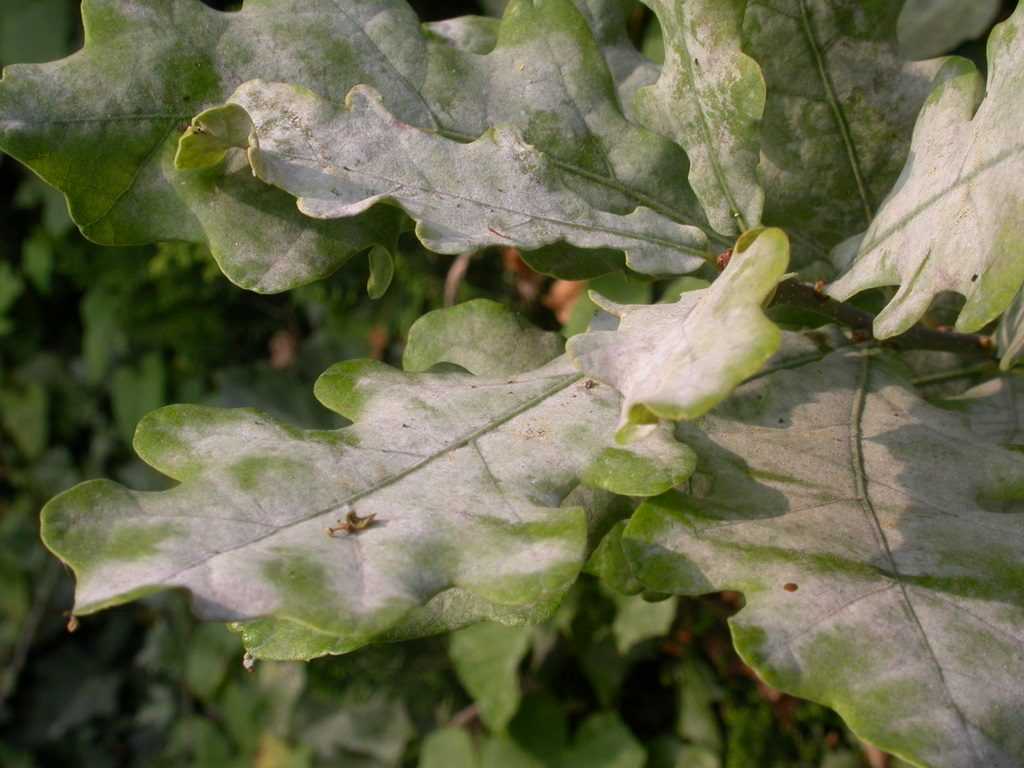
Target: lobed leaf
103	124
877	541
841	104
497	190
677	361
460	478
557	75
953	221
710	99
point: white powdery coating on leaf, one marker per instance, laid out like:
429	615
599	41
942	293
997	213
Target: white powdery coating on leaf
952	223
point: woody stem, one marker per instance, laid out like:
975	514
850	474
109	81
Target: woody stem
795	294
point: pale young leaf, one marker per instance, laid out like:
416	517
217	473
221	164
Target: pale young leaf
954	220
677	361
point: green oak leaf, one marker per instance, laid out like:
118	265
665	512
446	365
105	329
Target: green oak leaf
482	336
840	109
486	339
710	99
637	619
382	271
448	747
609	563
495	191
878	542
460	479
678	360
604	741
102	125
953	221
930	28
486	657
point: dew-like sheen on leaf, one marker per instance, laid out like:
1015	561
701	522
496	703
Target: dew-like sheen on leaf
878	542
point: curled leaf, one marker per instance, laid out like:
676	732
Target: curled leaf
677	361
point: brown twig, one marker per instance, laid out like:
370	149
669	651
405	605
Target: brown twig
796	294
464	716
453	279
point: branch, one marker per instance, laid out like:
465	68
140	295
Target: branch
795	294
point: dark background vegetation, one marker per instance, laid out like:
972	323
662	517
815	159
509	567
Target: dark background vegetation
92	338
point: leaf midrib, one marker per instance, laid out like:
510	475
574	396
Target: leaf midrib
961	181
713	157
857	466
837	111
676	246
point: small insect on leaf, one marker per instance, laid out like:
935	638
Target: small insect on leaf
589	384
353	523
248	662
790	587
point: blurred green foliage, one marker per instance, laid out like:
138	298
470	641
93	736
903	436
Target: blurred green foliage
92	338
